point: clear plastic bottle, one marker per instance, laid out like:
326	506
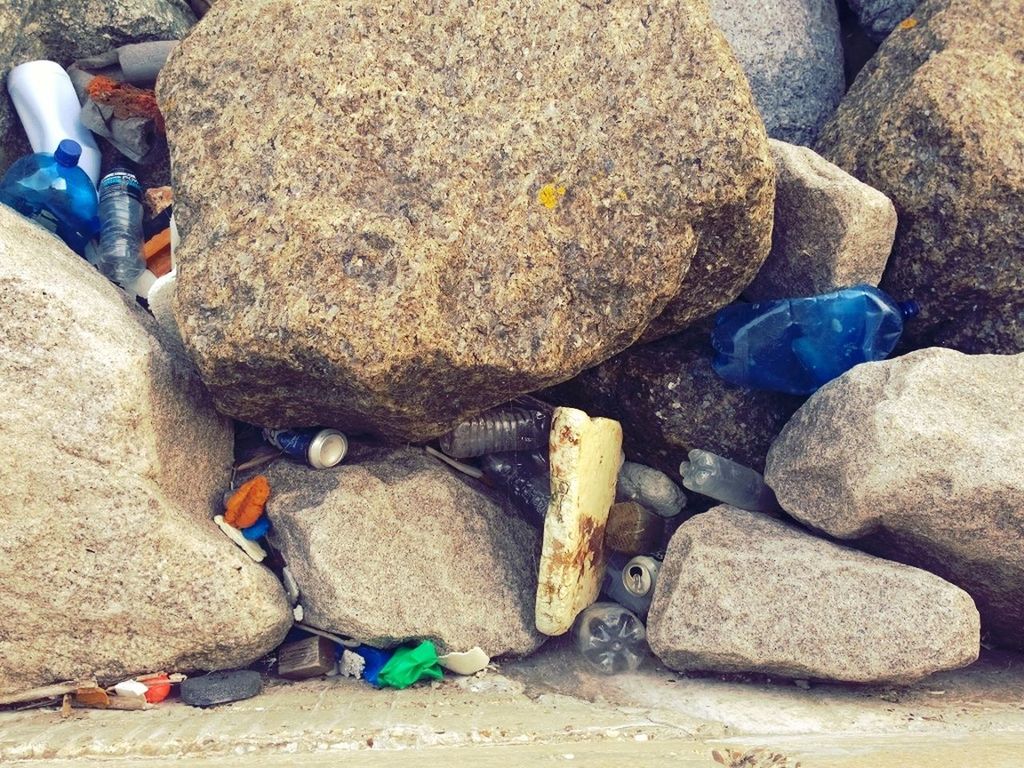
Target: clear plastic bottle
798	345
526	478
55	193
498	430
651	488
611	638
726	481
119	252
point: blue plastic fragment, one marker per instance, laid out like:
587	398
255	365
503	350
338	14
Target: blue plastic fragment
375	660
258	529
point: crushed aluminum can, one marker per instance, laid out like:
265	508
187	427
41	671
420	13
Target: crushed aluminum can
320	448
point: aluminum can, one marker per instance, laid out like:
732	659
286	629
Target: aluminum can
320	448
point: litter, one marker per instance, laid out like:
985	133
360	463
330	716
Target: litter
48	107
409	665
798	345
52	191
309	657
118	254
499	430
257	530
726	481
619	588
251	548
467	663
221	687
246	504
654	489
633	530
320	448
525	477
610	638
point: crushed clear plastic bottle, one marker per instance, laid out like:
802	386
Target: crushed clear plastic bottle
610	638
526	479
653	489
499	430
798	345
727	481
118	255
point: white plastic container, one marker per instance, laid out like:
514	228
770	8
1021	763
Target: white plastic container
48	107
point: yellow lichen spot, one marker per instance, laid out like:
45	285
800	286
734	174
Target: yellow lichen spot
908	23
549	195
621	196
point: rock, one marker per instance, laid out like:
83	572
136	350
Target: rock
515	195
740	592
221	688
879	17
395	547
831	231
670	400
72	29
113	460
923	455
936	122
793	58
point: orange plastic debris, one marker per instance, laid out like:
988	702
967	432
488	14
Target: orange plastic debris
245	507
908	23
127	100
157	253
159	687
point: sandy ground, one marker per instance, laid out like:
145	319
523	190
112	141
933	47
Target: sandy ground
550	710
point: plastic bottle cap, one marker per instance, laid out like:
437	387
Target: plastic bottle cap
68	152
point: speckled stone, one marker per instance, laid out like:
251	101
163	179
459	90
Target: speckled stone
393	546
919	458
391	218
670	400
936	122
831	231
740	592
113	461
793	56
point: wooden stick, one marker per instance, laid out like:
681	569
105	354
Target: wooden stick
44	692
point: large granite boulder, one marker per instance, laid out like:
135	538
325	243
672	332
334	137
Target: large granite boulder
670	400
113	459
919	458
72	29
391	219
936	122
740	592
831	231
793	57
393	546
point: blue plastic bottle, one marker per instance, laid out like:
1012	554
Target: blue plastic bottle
797	345
55	193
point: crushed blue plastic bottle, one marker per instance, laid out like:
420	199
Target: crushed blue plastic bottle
55	193
798	345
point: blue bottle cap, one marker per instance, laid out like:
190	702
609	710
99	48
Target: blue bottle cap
68	152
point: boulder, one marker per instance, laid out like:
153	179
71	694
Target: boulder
507	195
392	546
113	460
740	592
921	455
831	231
879	17
72	29
936	122
793	58
670	400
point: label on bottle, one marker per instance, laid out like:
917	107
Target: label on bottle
121	181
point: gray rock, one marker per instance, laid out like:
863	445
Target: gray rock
936	122
504	211
831	231
221	687
879	17
670	400
922	454
113	460
793	57
391	547
740	592
72	29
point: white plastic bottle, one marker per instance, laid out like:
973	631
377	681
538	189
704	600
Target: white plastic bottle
48	107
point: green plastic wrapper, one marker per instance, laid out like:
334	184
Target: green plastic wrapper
409	665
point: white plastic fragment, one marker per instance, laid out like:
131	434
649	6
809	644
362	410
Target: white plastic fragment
298	613
467	663
131	688
351	664
251	548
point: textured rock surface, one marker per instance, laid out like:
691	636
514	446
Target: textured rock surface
923	454
71	29
791	52
388	548
831	231
739	592
515	192
113	459
936	122
670	400
879	17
